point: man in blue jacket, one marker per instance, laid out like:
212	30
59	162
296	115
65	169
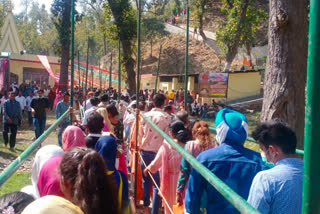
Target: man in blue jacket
235	165
12	117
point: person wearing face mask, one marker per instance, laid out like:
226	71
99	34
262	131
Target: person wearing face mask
277	190
39	107
234	164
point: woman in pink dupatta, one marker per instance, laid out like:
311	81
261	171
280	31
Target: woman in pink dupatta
168	159
73	137
49	178
58	98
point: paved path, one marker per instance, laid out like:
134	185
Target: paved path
210	42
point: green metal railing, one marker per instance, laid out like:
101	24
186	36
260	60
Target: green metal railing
311	174
237	201
250	139
13	167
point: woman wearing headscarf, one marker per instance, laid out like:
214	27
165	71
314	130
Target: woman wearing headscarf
49	178
52	205
85	183
73	137
42	156
107	148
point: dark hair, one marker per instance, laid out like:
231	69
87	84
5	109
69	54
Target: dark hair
94	101
183	116
104	98
95	123
112	110
133	97
41	90
17	200
159	100
142	105
92	189
276	133
66	94
150	106
179	131
167	108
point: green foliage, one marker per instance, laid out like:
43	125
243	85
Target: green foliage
227	33
173	8
199	9
36	29
153	28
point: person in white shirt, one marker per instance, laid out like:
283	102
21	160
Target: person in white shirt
94	102
86	104
28	102
47	91
22	101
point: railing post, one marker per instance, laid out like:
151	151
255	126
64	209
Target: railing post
87	70
158	69
72	55
311	178
186	61
110	74
119	69
137	99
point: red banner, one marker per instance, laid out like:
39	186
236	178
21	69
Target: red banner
45	63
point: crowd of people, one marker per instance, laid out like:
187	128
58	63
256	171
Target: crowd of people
91	169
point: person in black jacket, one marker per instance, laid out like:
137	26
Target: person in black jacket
95	125
39	107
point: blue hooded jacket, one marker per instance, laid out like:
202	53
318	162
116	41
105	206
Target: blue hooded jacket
234	164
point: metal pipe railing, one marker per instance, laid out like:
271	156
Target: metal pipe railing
311	173
250	139
237	201
13	167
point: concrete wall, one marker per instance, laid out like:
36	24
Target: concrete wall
18	62
243	84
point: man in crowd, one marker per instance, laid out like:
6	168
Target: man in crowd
95	125
150	142
94	105
21	100
87	103
28	103
277	190
12	116
39	108
62	107
234	164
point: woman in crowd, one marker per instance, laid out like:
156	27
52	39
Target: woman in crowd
49	178
118	130
52	205
85	183
15	202
73	137
202	142
42	156
169	160
107	148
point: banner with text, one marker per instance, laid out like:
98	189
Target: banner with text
213	84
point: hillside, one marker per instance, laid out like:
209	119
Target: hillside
201	58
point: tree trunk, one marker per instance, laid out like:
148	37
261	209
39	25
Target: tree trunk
204	38
127	46
285	78
129	64
65	46
151	43
248	50
233	50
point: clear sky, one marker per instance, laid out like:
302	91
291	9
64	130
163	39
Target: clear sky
18	5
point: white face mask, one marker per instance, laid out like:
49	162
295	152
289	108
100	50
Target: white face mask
264	159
